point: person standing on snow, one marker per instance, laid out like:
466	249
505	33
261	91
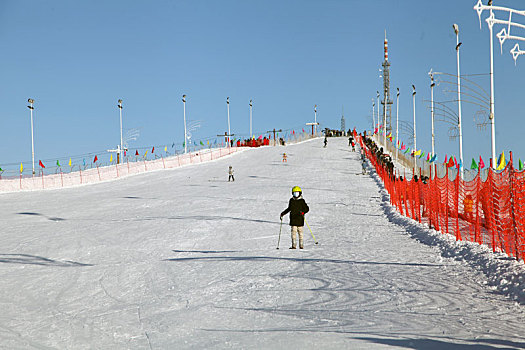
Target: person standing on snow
230	174
325	141
297	207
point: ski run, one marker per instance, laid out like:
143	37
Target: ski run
184	259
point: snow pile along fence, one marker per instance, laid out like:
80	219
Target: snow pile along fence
490	211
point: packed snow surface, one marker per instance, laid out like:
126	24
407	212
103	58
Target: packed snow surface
182	258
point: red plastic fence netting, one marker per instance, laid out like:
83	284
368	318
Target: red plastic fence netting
490	212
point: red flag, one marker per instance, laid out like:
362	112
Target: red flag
293	132
450	162
137	152
446	160
303	129
455	162
481	164
95	160
41	164
153	149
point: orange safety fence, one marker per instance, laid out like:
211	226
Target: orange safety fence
490	212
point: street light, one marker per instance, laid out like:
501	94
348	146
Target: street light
228	107
315	118
378	124
397	121
458	44
373	118
185	130
415	145
251	119
31	108
121	140
432	84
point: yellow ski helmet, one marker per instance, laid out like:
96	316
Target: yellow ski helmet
296	189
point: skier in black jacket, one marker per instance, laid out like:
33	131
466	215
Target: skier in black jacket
297	207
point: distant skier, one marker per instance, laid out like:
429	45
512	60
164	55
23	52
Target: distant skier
285	158
297	207
325	141
230	174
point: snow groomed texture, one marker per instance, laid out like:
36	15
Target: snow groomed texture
182	259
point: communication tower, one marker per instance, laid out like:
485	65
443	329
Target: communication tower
343	124
386	91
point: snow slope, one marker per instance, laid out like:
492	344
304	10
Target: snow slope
183	259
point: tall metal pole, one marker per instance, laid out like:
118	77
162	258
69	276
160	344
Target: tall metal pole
384	121
31	101
373	118
185	131
458	44
415	144
432	84
397	122
315	118
378	123
121	139
251	135
491	116
228	107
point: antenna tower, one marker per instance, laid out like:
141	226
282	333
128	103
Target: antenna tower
386	90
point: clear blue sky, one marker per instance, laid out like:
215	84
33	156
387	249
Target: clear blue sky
77	58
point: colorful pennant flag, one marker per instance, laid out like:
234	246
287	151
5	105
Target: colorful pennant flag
520	165
202	144
69	161
166	149
41	164
58	163
473	165
137	152
481	164
111	158
153	149
450	162
433	159
501	162
21	168
95	160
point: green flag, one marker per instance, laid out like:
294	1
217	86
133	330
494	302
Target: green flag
58	164
473	165
184	144
520	165
422	154
408	150
202	144
1	169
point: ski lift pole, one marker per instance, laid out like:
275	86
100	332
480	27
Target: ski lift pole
310	231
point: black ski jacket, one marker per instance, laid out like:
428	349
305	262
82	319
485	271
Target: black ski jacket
295	208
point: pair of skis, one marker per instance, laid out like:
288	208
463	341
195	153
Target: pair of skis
281	228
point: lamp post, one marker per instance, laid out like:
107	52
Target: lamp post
397	121
121	140
185	130
251	119
378	124
31	101
432	84
415	144
228	108
491	115
315	118
373	118
384	121
458	44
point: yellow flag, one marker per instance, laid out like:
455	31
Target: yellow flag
417	153
145	154
208	142
21	168
69	161
166	149
502	164
111	158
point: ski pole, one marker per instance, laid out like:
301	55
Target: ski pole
280	229
311	231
